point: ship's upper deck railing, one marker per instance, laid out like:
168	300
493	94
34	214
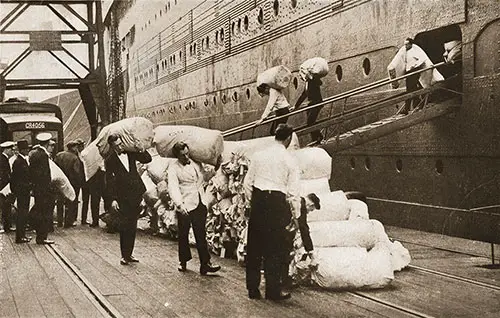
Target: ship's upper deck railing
329	100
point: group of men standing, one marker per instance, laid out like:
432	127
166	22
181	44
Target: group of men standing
28	173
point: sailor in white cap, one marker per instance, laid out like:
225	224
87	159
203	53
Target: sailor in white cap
40	177
5	171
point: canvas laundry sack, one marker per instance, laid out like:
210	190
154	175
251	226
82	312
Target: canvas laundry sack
314	66
277	77
136	134
61	182
205	145
314	163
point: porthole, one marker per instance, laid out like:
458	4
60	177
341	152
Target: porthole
156	17
235	96
239	25
368	164
202	44
215	100
399	165
276	7
338	73
222	35
439	166
223	99
295	83
191	50
207	42
248	93
194	49
175	2
366	66
180	55
294	3
353	163
217	36
205	102
193	105
233	26
245	22
160	12
260	17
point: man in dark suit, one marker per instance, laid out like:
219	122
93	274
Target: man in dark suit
125	189
21	187
72	166
39	169
5	174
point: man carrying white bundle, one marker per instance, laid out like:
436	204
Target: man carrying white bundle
185	186
273	175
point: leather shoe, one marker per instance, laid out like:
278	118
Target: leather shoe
23	240
94	225
85	223
47	242
209	268
182	267
124	261
133	259
254	294
280	296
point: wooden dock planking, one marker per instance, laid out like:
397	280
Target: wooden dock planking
8	284
128	302
439	296
159	262
73	296
19	278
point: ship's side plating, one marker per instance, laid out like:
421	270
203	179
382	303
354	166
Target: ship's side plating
195	62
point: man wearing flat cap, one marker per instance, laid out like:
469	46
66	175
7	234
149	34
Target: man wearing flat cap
21	187
39	169
5	172
72	166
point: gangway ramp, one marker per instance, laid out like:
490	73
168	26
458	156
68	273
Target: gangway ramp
376	129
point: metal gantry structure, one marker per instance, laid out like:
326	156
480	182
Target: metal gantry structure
92	85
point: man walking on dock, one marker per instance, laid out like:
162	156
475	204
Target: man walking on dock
185	186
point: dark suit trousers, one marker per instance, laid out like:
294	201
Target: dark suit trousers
44	204
269	215
128	228
5	207
312	115
23	205
67	211
85	200
197	218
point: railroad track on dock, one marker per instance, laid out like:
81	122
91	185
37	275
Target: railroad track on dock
92	293
447	275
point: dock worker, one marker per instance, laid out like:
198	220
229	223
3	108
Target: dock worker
20	184
72	166
39	169
125	189
273	175
7	149
277	102
185	186
312	91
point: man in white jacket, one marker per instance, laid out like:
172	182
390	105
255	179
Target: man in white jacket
185	186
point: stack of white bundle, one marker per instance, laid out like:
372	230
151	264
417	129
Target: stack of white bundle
277	77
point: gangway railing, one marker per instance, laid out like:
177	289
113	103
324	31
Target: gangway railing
330	100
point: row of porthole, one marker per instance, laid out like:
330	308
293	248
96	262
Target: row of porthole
439	166
172	61
167	8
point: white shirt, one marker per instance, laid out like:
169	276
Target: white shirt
185	184
124	159
275	169
276	101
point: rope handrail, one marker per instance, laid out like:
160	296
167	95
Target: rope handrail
328	100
